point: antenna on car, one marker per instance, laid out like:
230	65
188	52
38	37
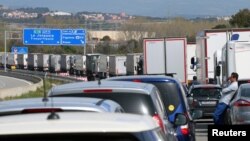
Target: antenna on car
53	115
99	81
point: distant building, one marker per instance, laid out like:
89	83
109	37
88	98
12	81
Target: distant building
58	13
120	35
123	14
19	15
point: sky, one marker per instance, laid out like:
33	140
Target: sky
154	8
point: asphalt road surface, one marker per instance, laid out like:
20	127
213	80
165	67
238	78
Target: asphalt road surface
201	129
10	82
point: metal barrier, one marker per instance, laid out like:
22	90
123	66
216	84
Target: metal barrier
33	76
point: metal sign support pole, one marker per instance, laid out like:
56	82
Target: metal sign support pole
5	45
5	55
84	53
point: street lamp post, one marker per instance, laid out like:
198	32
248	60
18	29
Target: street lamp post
5	44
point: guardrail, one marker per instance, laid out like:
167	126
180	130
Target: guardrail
33	76
66	79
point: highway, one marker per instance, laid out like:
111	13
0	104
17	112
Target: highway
201	129
10	82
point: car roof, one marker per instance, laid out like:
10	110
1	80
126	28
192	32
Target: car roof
64	103
75	122
141	77
245	85
79	87
206	86
145	78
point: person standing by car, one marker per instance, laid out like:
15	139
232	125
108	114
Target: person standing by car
227	94
195	81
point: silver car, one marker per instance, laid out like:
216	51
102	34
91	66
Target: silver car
239	108
58	104
136	98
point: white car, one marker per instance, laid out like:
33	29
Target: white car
80	126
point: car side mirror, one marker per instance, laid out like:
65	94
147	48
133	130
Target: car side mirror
196	114
180	119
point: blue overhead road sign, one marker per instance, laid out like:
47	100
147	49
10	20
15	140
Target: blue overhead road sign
41	36
19	50
73	37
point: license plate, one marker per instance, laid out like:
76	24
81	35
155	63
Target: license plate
208	102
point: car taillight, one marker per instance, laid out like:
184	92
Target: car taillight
42	110
136	80
184	129
241	103
98	91
159	121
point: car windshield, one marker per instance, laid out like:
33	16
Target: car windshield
206	92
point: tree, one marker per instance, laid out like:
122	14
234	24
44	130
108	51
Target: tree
220	26
132	45
106	39
104	46
241	19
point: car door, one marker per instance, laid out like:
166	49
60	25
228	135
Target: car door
170	130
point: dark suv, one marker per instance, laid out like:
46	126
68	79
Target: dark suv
174	100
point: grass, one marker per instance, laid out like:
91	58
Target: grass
39	92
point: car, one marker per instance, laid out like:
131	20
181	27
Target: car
204	97
75	126
174	99
136	98
58	104
239	107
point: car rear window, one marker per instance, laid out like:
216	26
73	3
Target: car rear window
131	102
206	92
243	82
245	92
71	137
169	93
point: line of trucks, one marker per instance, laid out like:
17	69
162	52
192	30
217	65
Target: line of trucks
215	55
160	56
221	52
91	65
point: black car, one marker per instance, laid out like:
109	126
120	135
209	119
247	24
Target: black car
204	97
